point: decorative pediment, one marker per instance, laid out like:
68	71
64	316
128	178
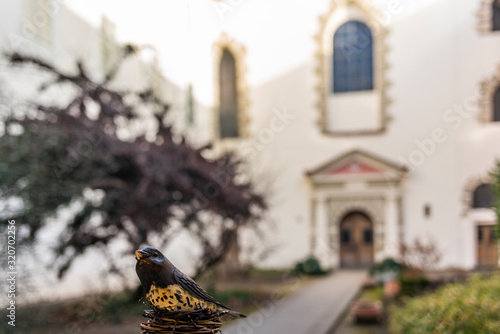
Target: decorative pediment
357	165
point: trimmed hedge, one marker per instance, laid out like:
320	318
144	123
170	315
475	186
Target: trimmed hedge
470	307
411	286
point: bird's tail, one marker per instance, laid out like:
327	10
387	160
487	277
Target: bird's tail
227	313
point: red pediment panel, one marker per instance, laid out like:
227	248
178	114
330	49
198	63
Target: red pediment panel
354	167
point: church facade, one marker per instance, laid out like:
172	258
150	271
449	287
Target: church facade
368	123
383	130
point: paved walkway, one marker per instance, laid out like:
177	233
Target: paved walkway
311	310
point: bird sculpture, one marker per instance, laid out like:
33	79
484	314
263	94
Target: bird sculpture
168	289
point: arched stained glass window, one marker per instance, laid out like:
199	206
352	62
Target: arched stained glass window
483	196
352	58
228	96
496	105
496	15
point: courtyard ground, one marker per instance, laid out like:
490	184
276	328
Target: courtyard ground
121	313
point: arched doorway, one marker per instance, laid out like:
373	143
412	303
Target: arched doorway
356	240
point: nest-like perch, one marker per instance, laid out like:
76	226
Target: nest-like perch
193	322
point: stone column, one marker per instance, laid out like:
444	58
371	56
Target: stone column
323	249
334	233
391	247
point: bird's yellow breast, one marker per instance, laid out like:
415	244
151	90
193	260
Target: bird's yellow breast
174	298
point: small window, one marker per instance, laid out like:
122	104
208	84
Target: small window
483	197
352	58
496	15
496	105
190	106
345	236
427	210
480	234
368	236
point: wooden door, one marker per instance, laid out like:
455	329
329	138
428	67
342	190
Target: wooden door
356	241
487	248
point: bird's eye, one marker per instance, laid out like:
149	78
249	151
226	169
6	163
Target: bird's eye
155	253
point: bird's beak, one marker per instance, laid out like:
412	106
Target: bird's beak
140	254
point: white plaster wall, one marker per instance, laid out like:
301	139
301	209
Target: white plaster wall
354	111
436	60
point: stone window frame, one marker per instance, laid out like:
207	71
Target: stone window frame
381	66
239	52
487	89
485	17
468	194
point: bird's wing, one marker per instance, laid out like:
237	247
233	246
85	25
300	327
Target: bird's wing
193	288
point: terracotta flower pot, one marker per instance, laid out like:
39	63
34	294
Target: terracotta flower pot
391	288
368	311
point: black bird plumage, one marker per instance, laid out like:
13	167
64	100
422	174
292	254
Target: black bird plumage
168	289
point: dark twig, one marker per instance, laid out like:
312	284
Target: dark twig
193	322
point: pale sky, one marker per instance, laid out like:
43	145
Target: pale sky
168	26
183	32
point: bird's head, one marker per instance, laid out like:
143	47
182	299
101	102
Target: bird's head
153	266
149	254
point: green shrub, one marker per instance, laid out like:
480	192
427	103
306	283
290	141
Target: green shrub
411	286
471	307
309	266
